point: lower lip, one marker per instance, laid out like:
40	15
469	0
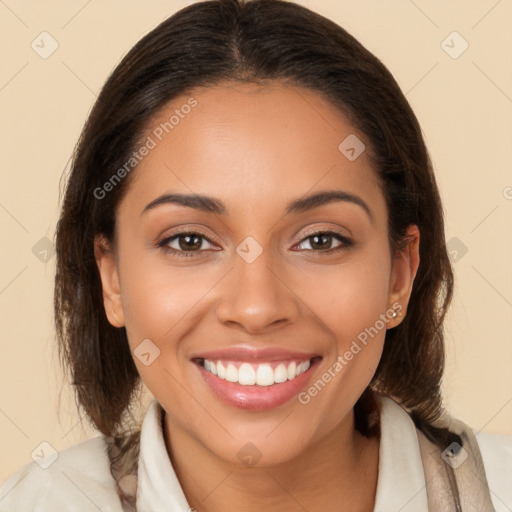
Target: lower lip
256	398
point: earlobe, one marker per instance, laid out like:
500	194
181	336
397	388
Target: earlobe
404	269
107	268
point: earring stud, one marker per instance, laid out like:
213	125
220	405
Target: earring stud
395	314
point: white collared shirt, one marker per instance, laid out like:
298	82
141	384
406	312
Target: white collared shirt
79	480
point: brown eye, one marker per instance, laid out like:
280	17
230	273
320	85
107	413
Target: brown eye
189	242
323	242
185	244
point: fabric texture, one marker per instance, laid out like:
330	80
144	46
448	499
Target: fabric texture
414	475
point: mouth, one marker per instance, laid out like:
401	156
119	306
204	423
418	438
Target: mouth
256	385
256	374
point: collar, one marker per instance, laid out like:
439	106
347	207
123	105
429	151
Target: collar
158	487
400	483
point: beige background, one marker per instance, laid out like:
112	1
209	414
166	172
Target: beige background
464	106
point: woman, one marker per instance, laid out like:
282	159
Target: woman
252	230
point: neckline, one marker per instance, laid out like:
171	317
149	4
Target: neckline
400	480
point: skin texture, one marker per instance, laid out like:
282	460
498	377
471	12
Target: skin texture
256	148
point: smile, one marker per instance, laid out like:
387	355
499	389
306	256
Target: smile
256	386
250	374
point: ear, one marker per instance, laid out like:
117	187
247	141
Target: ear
403	271
107	267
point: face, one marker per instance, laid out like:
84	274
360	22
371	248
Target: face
283	265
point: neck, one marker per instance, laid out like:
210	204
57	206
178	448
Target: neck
336	474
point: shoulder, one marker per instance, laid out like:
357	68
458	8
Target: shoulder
496	450
73	479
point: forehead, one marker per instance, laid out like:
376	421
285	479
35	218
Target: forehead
242	141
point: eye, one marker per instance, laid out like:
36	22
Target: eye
189	244
321	241
185	243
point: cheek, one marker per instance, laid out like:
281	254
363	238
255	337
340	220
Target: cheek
351	301
157	296
349	297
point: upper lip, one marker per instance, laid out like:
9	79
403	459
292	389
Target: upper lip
241	353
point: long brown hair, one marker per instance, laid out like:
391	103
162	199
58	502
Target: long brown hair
248	41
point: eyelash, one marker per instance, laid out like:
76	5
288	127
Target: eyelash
346	243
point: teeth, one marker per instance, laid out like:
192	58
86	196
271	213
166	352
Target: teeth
292	371
280	374
210	366
232	373
264	375
259	374
246	375
221	371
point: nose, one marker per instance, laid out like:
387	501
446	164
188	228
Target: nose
256	298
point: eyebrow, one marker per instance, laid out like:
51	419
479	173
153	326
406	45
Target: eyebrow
211	205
